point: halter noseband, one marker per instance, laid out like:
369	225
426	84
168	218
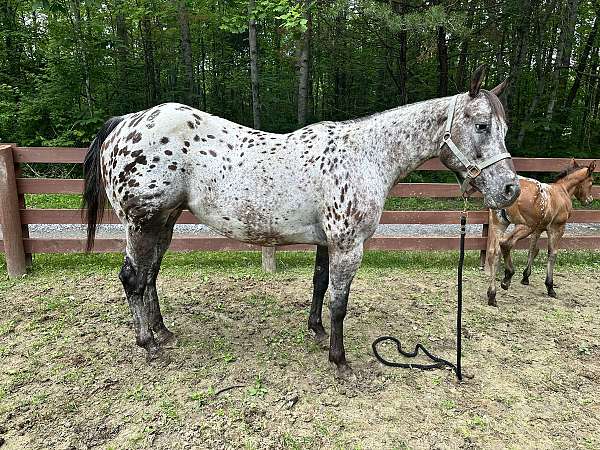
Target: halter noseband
473	169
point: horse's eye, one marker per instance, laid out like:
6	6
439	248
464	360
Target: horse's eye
481	127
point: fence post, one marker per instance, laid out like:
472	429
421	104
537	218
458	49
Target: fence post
482	254
12	231
269	264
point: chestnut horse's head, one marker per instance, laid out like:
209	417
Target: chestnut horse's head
473	144
583	191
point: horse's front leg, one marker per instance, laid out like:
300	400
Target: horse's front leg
506	245
555	233
320	283
343	264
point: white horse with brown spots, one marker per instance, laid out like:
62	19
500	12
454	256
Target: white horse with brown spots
325	184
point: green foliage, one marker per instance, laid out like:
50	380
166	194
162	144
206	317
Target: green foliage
68	65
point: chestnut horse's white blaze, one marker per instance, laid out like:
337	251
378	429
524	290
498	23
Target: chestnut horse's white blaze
325	184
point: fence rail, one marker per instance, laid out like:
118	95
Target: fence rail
18	246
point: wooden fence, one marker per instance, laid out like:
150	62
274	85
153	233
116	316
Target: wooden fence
18	246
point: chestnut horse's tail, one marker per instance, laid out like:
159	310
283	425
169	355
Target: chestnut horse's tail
94	196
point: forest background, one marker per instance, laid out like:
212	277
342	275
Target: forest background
68	65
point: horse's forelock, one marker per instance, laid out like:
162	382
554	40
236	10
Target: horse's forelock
496	105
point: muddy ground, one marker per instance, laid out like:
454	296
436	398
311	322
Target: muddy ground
71	376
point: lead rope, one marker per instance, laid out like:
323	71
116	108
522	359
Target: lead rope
437	361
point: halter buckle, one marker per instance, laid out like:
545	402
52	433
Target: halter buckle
473	171
447	136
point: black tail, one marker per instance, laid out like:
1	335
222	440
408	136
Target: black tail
94	197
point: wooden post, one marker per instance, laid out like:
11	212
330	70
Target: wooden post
12	232
269	264
24	226
484	233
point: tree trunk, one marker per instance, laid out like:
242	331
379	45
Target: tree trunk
565	62
519	54
402	36
253	65
564	38
186	52
150	69
76	10
122	57
269	263
442	50
582	64
304	66
203	73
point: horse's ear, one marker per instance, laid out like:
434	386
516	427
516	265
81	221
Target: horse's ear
500	88
591	168
477	80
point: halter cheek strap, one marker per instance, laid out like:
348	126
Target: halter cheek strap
473	169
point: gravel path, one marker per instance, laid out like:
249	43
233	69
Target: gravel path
116	231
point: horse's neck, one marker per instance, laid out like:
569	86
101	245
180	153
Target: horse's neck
401	139
570	182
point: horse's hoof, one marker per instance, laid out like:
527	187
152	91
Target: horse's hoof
505	285
164	337
525	281
158	358
491	295
344	372
321	339
552	293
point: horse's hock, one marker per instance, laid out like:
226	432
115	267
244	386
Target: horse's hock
18	246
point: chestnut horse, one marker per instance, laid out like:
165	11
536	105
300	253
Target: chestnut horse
540	207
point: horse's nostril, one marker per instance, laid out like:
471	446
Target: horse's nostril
511	189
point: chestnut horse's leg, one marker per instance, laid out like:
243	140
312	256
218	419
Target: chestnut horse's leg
555	233
506	245
343	264
495	234
320	283
533	252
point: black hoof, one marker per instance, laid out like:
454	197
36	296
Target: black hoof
344	371
525	281
505	285
164	337
157	357
552	293
491	295
322	339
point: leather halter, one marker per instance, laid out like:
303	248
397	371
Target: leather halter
473	169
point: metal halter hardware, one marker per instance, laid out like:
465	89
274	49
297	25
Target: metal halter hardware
473	169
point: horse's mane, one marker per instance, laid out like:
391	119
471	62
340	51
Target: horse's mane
569	170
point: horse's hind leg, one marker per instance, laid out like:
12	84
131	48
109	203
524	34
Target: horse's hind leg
161	332
506	245
533	252
555	233
139	271
320	283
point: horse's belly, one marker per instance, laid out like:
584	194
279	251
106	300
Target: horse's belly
262	228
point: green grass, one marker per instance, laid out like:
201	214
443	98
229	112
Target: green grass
73	201
248	264
53	201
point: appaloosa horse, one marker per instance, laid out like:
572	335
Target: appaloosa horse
540	207
324	184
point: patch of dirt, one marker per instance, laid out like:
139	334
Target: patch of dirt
71	376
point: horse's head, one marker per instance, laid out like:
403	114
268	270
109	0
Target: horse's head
473	144
583	191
